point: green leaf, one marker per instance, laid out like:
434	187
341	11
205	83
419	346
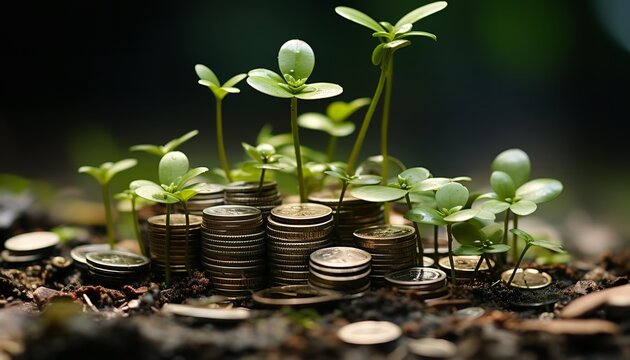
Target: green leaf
151	149
451	195
172	166
317	121
422	198
234	80
549	245
540	190
389	27
485	215
337	174
118	167
462	215
205	73
396	44
489	195
515	163
492	232
339	111
382	34
523	207
467	250
403	29
322	91
431	184
297	59
265	73
138	183
495	206
231	90
522	234
96	173
417	33
358	17
270	167
461	178
378	193
365	180
378	53
187	194
175	143
268	86
156	194
191	174
502	185
497	249
421	13
425	215
252	152
466	233
414	175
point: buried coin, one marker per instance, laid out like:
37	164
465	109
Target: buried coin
222	314
306	213
433	348
369	332
117	260
416	276
527	278
37	241
295	295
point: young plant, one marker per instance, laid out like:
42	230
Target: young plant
391	38
296	61
264	158
175	177
104	174
334	122
161	150
529	242
130	195
512	193
479	242
450	200
209	79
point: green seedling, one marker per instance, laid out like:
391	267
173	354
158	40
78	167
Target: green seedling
209	79
479	242
264	158
130	195
296	61
176	187
104	174
391	38
161	150
334	122
529	242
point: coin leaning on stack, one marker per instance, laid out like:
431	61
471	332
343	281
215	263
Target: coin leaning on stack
343	269
354	214
233	249
392	247
208	196
247	193
294	231
177	241
426	283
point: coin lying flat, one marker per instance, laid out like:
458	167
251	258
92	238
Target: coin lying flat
527	278
31	242
416	276
301	213
433	348
385	232
295	295
231	212
341	257
221	314
116	260
6	256
464	263
369	332
470	313
78	253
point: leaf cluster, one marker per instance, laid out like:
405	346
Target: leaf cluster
334	122
161	150
106	171
209	79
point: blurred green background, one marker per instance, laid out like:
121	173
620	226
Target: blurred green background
81	81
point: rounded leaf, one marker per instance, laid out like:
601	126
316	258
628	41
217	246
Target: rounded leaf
358	17
451	195
378	53
268	86
462	215
540	190
234	80
417	33
319	91
549	245
497	249
425	215
297	59
492	232
139	183
502	185
515	163
316	121
117	167
495	206
523	207
373	165
414	175
365	180
466	233
522	234
421	13
378	193
175	143
339	111
431	184
156	194
337	174
266	73
172	166
467	250
205	73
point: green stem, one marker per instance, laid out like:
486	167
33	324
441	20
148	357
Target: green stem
518	263
366	122
167	248
502	258
296	146
136	228
220	145
419	238
332	147
483	256
187	251
385	122
109	223
514	226
261	181
436	256
344	186
451	261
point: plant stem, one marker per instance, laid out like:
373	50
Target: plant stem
109	223
262	180
187	251
419	239
436	256
167	247
296	146
385	121
220	145
483	256
518	263
449	233
136	229
332	147
502	258
344	186
366	122
514	226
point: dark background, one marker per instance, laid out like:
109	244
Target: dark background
81	81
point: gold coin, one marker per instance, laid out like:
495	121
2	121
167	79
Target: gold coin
306	213
527	278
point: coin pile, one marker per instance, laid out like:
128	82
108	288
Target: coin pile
247	193
115	267
392	247
177	242
29	247
424	282
464	266
78	253
354	213
233	249
294	231
207	196
342	269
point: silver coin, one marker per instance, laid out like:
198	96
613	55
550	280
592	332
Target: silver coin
369	332
433	348
247	185
327	224
223	314
470	313
231	212
176	220
384	232
32	242
295	295
464	263
340	257
306	213
78	253
527	278
416	276
116	260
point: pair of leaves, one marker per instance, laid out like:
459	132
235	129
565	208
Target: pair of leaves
340	174
394	191
264	156
209	79
479	237
106	171
154	192
334	121
530	241
161	150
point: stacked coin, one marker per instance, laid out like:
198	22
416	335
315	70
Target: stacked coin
248	193
294	231
177	242
233	249
342	269
392	247
425	282
115	267
207	196
354	213
29	247
464	266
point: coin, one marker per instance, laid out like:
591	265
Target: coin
9	258
231	212
222	314
333	271
176	220
369	332
385	232
464	263
116	260
244	186
416	276
38	241
78	253
527	278
340	257
295	295
433	348
470	313
301	213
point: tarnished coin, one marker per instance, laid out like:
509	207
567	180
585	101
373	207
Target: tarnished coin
416	276
221	314
301	213
295	295
433	348
116	260
463	263
231	212
37	241
340	257
369	332
385	232
527	278
78	253
175	220
470	313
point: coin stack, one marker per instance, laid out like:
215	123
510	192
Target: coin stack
247	193
115	267
233	249
294	231
29	247
392	247
177	241
354	213
342	269
425	282
464	266
207	196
